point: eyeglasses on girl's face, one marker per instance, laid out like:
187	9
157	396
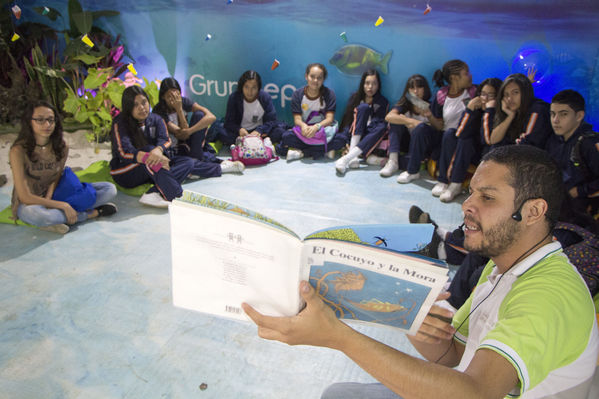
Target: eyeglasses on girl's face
42	121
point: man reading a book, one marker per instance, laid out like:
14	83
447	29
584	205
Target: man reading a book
528	329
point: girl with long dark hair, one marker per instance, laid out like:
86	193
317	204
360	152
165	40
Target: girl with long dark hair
364	120
520	118
141	151
185	119
405	118
250	111
37	159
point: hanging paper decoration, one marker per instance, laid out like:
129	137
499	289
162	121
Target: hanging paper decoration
16	10
131	69
87	40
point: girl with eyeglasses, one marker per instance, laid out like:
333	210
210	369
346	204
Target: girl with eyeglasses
37	159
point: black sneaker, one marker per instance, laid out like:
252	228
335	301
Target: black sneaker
417	215
432	249
107	209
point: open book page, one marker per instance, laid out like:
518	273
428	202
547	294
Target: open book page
398	237
218	204
372	284
221	259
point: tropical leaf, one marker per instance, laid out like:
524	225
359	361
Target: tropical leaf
88	59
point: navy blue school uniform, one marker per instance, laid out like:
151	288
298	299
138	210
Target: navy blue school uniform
270	126
585	175
537	128
467	146
399	135
127	172
299	106
194	145
424	139
449	138
369	123
207	164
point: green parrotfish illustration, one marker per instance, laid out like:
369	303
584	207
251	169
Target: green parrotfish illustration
354	59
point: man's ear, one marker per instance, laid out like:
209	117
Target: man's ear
534	211
580	116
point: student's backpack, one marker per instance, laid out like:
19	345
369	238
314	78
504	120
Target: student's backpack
584	254
253	150
576	156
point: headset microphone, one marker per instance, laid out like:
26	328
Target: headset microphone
517	216
459	232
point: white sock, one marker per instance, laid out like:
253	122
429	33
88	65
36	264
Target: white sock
441	232
441	254
393	156
355	139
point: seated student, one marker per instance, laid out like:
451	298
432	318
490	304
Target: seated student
188	138
185	119
464	147
140	151
520	118
529	328
406	118
575	147
313	107
447	109
364	120
250	111
37	159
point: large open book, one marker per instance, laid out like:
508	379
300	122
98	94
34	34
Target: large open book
223	255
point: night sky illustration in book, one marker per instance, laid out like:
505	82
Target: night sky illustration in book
355	293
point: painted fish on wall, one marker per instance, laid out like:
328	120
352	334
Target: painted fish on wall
354	59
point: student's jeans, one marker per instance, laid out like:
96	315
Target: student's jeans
39	215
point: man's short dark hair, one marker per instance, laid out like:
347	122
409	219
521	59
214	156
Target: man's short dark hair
534	174
571	98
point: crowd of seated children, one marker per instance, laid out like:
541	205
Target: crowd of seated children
168	145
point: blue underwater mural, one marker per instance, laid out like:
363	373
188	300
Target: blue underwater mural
206	45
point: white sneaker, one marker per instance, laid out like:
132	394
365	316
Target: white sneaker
354	163
439	188
293	154
331	154
405	177
56	228
232	166
375	160
154	199
453	190
389	169
342	164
